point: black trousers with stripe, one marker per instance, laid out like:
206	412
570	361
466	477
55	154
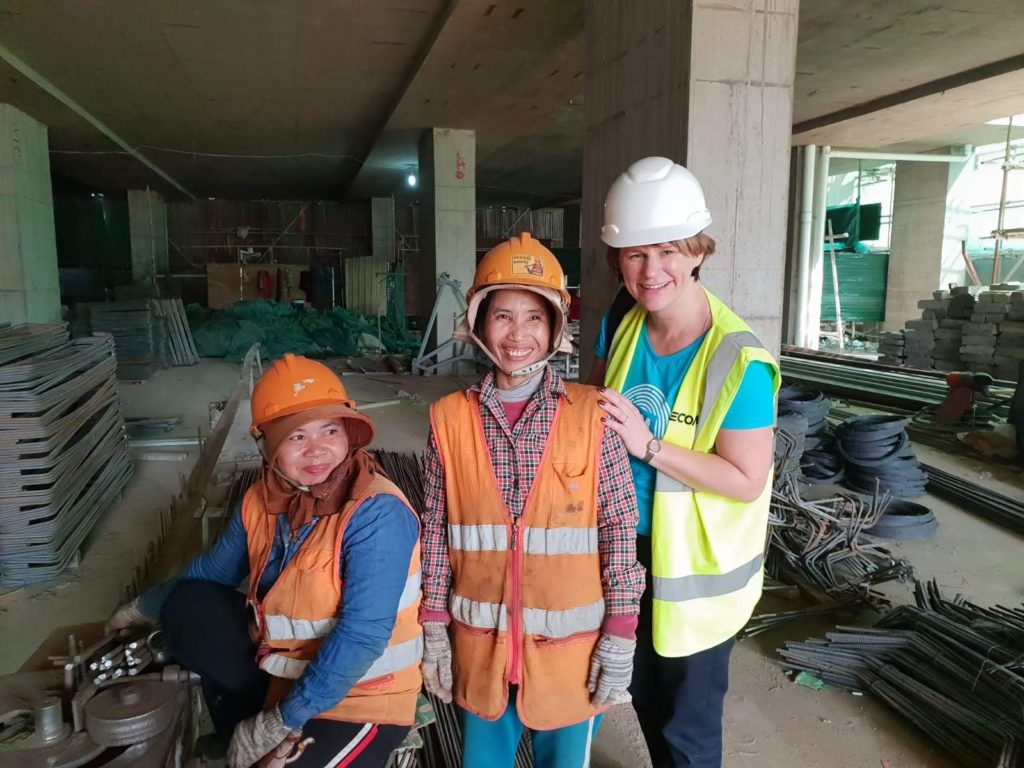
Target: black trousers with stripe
206	629
678	701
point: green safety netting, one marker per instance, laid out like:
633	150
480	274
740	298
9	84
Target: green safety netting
281	328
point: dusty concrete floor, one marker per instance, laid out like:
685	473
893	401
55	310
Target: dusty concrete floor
769	721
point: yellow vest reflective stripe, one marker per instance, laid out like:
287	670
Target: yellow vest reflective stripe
707	550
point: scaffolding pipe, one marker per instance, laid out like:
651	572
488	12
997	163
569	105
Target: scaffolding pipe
816	262
860	154
804	243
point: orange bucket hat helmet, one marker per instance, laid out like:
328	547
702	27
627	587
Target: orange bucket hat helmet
296	390
519	263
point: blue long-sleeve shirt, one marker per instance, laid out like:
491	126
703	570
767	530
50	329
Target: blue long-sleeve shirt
374	564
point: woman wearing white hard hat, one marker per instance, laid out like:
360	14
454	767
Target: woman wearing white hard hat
691	392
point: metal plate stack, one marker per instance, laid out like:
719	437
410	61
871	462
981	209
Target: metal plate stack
173	335
63	451
131	325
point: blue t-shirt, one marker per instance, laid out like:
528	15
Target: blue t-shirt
652	385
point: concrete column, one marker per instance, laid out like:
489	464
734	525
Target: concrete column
30	287
147	230
382	226
709	84
928	224
447	166
571	226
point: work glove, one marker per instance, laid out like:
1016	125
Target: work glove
127	615
437	660
611	670
255	737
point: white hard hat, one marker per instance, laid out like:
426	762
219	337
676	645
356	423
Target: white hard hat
654	201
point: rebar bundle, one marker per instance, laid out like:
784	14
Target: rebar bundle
881	385
951	667
992	505
822	541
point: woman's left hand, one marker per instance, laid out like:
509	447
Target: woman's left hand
623	418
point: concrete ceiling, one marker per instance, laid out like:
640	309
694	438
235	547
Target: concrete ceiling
287	100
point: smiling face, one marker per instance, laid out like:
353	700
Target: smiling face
517	331
311	452
658	275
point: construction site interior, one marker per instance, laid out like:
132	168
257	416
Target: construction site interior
190	190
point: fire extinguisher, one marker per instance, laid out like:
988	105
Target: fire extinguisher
264	285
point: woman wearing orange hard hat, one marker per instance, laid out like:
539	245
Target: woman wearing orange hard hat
531	584
318	661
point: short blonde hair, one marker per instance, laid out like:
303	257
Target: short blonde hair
694	245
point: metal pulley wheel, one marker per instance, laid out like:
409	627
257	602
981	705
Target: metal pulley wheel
51	744
128	713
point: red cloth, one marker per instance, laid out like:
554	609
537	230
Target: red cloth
513	411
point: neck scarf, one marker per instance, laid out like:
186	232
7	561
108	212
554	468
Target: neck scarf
349	480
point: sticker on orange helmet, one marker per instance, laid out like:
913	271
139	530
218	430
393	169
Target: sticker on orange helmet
524	264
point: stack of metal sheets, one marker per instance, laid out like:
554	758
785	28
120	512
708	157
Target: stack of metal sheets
173	335
63	450
131	325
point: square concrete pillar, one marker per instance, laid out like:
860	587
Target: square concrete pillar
147	229
929	221
571	226
710	85
382	227
30	285
447	179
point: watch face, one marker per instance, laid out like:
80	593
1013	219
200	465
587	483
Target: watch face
654	446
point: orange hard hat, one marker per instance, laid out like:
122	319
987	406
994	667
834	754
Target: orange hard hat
519	262
295	384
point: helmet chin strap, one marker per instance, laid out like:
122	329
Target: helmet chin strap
273	467
518	372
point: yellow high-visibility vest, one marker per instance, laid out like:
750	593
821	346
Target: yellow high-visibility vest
707	550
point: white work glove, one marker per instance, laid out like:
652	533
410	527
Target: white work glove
255	737
437	660
127	615
611	670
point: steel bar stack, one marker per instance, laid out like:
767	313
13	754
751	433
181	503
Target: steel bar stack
950	667
131	325
992	505
63	450
173	335
885	386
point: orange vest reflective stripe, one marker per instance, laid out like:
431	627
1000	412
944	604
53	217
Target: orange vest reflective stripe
526	598
301	608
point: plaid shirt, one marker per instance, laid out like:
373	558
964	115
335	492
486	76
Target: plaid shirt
516	453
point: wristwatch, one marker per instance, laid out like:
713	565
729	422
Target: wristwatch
653	448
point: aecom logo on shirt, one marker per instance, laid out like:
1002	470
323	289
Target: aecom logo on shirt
653	406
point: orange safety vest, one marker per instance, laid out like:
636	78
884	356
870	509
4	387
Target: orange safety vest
526	599
301	608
